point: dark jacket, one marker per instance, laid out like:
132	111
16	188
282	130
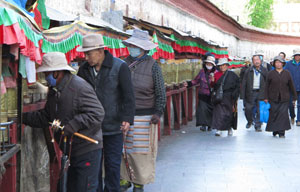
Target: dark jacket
75	104
114	90
279	86
231	85
294	69
247	84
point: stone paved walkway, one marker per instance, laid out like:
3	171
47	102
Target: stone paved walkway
194	161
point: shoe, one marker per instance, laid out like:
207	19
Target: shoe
202	128
209	128
281	136
124	185
218	133
292	121
258	129
230	132
275	133
298	123
138	188
248	125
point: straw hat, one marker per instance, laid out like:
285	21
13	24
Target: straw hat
54	61
210	59
296	52
140	39
223	61
91	42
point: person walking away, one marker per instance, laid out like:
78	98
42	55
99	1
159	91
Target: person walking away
293	67
72	101
110	77
279	86
205	107
223	114
252	91
150	100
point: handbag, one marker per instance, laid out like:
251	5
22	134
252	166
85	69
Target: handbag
217	94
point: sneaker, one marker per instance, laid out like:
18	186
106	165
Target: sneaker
230	132
124	185
281	136
248	125
275	133
292	121
258	129
218	133
202	128
138	188
298	123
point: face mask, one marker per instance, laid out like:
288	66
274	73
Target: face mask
134	51
209	67
51	80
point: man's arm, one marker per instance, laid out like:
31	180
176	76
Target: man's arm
37	119
91	112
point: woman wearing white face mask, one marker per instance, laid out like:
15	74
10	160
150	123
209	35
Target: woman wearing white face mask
204	110
150	100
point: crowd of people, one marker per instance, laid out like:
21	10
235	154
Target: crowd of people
276	83
116	103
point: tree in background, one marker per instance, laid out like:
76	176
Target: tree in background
260	13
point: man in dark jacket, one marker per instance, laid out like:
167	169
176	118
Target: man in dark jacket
264	64
72	101
293	67
111	80
252	91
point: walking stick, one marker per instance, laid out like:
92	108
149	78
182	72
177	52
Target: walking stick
56	125
127	165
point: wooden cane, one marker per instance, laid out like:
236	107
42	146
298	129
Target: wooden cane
86	138
56	124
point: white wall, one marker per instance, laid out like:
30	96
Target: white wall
152	11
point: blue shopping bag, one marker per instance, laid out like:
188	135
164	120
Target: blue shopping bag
264	111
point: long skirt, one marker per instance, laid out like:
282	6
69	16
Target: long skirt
278	117
204	111
141	146
225	114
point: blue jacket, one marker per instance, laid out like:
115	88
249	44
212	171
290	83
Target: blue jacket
294	69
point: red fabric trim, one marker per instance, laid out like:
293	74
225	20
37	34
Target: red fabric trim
14	35
191	49
121	52
162	54
38	17
236	66
71	55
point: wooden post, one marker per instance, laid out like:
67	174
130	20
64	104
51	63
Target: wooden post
167	120
183	91
0	75
190	103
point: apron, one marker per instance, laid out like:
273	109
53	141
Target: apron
141	146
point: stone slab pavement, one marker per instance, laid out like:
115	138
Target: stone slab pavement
249	161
